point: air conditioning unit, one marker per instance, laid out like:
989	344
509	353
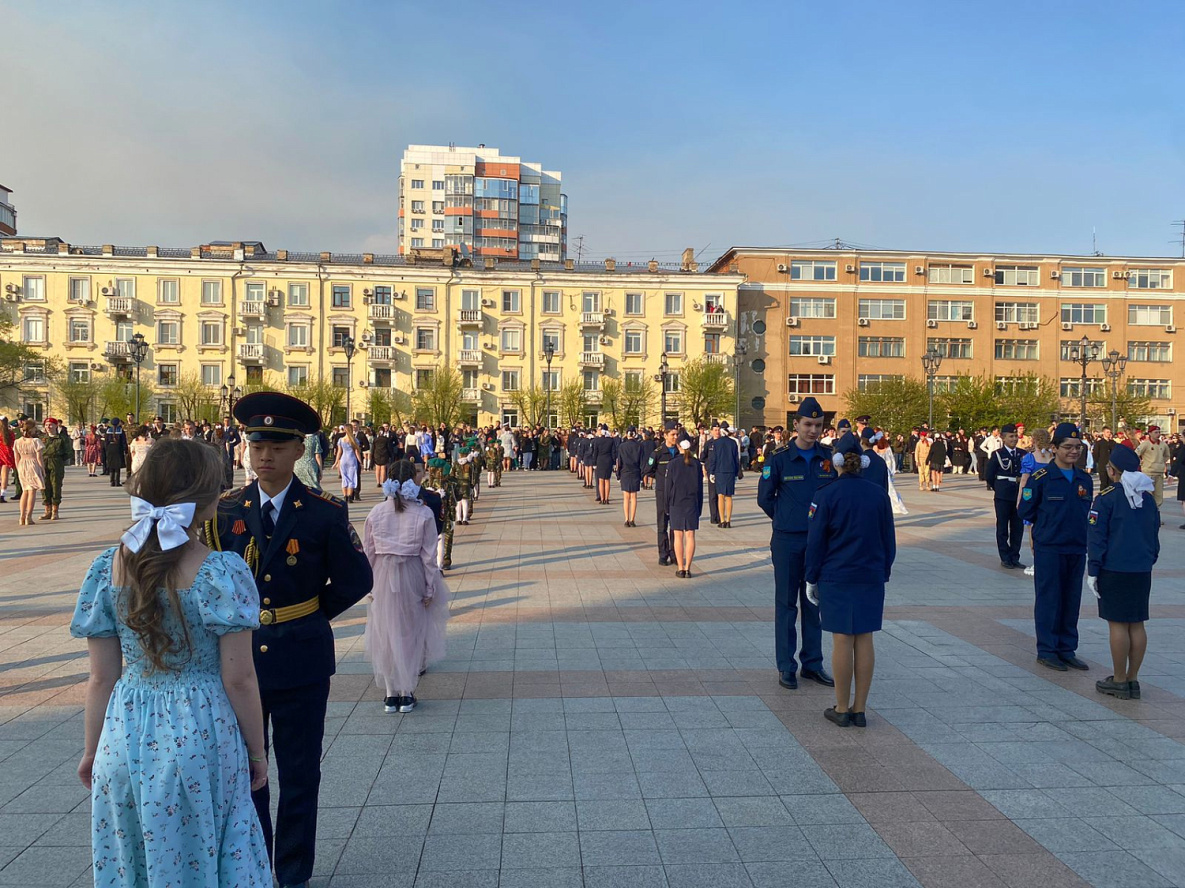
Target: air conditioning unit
1126	275
917	269
273	298
608	312
108	291
1003	325
1066	325
362	383
794	399
604	340
1105	328
971	325
398	295
849	268
488	303
366	297
1055	275
399	340
989	272
791	322
1169	328
933	325
824	359
240	331
488	386
863	322
783	267
1116	275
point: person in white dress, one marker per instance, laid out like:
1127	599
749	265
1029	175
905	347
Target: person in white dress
884	452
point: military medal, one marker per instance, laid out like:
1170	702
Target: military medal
292	548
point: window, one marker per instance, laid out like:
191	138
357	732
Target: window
339	335
633	304
711	343
554	338
1150	279
298	295
551	380
946	383
1149	351
166	374
674	382
951	348
33	289
811	307
124	330
1068	346
211	333
1018	275
423	379
417	242
951	274
672	342
34	372
80	290
713	302
437	185
590	301
635	342
425	299
949	310
438	225
802	270
438	207
80	330
512	301
510	380
417	206
381	296
882	271
168	292
211	292
168	333
634	380
1071	387
417	224
883	309
592	342
298	375
417	183
425	339
551	302
592	380
470	379
254	375
341	377
1150	315
1084	313
870	381
811	384
881	347
812	345
125	287
211	374
168	412
254	292
341	295
673	304
382	337
512	340
298	335
1084	277
80	372
470	300
1017	312
1016	349
1158	389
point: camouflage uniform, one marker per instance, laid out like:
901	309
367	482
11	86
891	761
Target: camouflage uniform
54	456
493	459
441	480
463	479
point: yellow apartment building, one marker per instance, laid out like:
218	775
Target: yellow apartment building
822	322
282	318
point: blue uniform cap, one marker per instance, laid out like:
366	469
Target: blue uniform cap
848	443
871	434
670	424
843	424
1066	431
1125	459
810	409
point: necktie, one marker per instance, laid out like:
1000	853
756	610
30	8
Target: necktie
269	520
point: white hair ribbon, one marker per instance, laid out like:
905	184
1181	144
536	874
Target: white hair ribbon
170	522
409	489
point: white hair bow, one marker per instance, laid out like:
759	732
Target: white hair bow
408	489
170	522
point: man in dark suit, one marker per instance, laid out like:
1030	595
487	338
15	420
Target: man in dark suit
309	566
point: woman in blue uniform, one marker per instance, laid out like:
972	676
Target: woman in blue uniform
1123	543
850	547
684	491
631	461
724	465
1056	500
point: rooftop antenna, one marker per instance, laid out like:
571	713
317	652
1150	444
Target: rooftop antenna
838	244
1181	222
1094	242
579	248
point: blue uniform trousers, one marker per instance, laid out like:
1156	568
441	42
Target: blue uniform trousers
789	556
1059	597
1010	530
297	721
713	503
666	536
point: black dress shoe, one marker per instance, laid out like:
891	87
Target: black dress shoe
818	676
843	719
1074	663
788	680
859	720
1134	688
1007	564
1052	663
1019	565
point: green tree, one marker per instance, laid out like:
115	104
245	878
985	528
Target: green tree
572	403
984	402
1130	409
896	404
531	403
389	405
613	403
439	402
195	399
117	397
81	398
638	400
16	358
705	391
323	396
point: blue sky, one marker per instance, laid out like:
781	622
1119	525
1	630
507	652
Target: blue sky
914	125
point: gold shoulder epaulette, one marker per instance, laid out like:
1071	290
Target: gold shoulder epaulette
1040	473
328	497
1110	489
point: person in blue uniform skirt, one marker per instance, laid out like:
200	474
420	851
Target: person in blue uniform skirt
631	462
603	452
1056	499
1123	542
851	545
684	490
789	479
724	465
876	471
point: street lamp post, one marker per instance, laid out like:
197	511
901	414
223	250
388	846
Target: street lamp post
738	359
229	396
664	370
548	353
1113	366
349	347
931	361
138	347
1082	353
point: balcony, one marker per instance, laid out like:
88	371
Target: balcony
471	395
252	311
716	359
592	396
119	306
380	354
715	320
470	356
592	359
469	317
117	351
251	352
592	319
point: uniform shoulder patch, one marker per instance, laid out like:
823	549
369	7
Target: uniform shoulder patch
811	513
1027	494
232	494
765	472
1040	473
1110	489
354	539
328	497
1093	517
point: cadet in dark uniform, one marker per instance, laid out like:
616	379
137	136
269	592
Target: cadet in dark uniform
876	471
851	545
1003	477
1057	500
630	463
705	457
684	492
115	452
789	480
603	454
724	465
1123	542
309	566
656	468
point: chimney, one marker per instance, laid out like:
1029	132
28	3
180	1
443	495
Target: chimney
108	250
490	263
152	252
610	264
63	249
689	263
326	257
569	265
652	265
368	258
281	255
195	253
534	265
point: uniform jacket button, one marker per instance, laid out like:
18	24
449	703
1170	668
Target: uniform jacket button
263	648
267	601
267	578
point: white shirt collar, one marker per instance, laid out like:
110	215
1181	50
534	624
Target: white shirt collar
278	499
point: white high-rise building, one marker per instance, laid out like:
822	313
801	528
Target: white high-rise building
493	204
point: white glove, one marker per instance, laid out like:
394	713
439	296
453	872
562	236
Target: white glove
712	478
812	593
1092	583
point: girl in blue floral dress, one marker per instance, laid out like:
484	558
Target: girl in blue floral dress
174	745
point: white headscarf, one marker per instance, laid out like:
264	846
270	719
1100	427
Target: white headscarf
1134	485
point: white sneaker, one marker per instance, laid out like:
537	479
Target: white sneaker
1029	571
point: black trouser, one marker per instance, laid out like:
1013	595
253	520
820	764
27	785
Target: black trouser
115	473
297	720
666	538
1010	530
713	503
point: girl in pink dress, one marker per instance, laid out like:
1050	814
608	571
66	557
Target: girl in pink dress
7	458
405	626
30	468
